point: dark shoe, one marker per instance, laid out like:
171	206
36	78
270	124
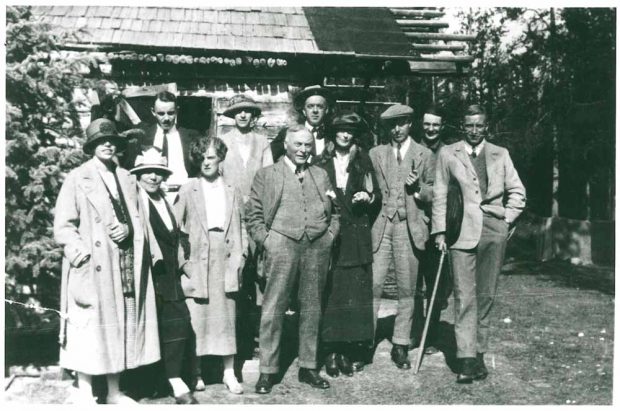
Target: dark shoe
430	350
399	356
481	370
186	398
358	366
344	364
331	366
312	378
264	383
467	373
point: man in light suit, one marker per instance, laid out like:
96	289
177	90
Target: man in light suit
173	141
289	215
400	232
493	198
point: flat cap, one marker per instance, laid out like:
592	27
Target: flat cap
397	110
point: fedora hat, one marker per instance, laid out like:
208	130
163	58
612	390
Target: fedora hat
102	129
347	121
315	90
150	159
242	102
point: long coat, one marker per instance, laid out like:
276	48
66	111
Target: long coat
191	214
504	198
92	340
237	173
418	156
353	246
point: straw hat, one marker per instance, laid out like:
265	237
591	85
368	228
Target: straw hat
242	102
151	159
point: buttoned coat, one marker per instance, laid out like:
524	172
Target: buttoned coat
238	173
93	338
417	156
191	214
504	198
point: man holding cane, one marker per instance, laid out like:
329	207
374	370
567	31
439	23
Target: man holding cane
493	198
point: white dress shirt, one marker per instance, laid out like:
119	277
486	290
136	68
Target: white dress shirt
176	162
215	202
319	144
341	162
404	146
470	149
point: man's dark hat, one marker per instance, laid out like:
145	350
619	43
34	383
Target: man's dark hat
316	90
101	129
347	121
395	111
242	102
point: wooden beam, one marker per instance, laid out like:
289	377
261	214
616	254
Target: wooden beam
438	57
417	13
438	47
423	23
441	36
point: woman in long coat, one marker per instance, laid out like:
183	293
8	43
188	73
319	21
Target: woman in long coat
175	329
347	323
208	210
107	296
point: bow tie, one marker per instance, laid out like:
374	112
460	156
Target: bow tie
317	130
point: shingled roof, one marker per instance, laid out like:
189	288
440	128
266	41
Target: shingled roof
352	31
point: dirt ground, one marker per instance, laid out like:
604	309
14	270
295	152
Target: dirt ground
551	343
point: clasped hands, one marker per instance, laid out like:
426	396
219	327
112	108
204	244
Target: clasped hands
118	231
361	197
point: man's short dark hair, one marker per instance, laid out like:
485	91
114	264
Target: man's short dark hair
165	96
434	110
198	148
475	110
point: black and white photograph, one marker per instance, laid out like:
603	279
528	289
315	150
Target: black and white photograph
309	203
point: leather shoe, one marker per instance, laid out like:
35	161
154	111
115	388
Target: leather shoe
312	378
344	364
186	398
481	370
358	366
331	366
399	356
467	373
264	384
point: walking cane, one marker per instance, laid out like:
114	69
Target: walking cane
418	360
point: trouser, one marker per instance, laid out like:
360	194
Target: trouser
476	272
396	245
290	262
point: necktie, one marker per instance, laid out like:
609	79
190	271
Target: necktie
164	148
473	153
299	173
316	133
399	158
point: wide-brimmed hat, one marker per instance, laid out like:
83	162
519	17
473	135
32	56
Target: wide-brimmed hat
242	102
316	90
347	121
395	111
102	129
151	159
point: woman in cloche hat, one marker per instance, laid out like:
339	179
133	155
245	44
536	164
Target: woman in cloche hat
347	326
107	296
175	328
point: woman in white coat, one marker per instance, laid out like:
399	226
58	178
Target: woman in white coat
107	296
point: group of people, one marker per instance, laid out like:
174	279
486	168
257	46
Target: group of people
166	234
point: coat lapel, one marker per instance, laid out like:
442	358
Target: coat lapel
96	192
230	198
461	154
198	199
491	157
383	164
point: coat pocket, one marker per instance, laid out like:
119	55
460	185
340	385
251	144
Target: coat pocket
81	285
187	283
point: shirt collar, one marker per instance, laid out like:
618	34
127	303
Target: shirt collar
171	131
470	149
404	145
290	164
217	183
310	127
432	145
103	167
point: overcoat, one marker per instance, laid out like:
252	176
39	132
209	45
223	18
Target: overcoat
353	246
191	215
92	339
237	173
504	198
418	157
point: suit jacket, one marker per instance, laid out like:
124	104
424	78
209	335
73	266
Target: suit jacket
416	220
504	199
191	214
134	147
353	246
266	194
